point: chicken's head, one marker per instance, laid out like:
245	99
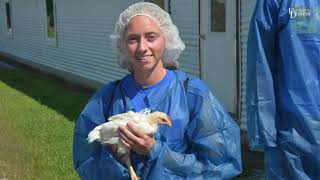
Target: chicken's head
160	118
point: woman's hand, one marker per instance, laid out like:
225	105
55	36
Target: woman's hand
135	139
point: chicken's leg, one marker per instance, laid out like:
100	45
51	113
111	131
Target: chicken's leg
133	174
123	152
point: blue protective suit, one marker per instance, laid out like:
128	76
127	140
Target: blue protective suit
204	142
283	87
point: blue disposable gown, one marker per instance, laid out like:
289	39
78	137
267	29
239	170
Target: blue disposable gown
204	142
283	87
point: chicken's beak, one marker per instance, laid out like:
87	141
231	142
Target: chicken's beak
168	121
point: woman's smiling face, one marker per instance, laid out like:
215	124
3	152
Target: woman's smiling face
144	44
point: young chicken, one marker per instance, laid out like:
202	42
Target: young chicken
107	133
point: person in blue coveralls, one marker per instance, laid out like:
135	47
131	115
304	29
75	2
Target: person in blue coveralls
204	142
283	87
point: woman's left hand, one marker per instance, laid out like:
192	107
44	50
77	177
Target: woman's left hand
135	139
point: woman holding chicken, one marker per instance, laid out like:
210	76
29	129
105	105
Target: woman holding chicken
203	142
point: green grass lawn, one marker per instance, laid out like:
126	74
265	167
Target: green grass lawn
36	126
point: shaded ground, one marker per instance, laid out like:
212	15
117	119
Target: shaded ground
6	62
252	161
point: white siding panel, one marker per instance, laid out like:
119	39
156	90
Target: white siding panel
2	20
83	28
246	10
185	15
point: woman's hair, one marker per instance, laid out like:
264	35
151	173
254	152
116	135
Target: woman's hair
173	43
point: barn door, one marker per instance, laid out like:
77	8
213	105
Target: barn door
218	49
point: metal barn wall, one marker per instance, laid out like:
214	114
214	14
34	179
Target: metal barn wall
185	15
26	29
82	45
246	10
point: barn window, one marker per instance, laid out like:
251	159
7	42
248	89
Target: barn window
159	3
164	4
51	24
9	18
218	16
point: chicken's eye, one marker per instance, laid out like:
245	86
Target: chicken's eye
163	120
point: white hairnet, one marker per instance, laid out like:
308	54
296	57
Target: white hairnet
173	43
